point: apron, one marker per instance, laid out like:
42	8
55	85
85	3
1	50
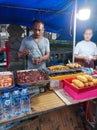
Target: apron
85	64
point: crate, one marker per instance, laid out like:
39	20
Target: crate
81	96
68	83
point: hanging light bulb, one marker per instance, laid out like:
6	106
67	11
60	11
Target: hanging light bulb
84	14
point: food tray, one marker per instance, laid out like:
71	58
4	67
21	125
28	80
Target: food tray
78	90
44	82
6	80
35	77
65	76
57	71
66	71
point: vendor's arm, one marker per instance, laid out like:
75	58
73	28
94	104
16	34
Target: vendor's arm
95	56
47	52
23	51
42	58
45	57
76	56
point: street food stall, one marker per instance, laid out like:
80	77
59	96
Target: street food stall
65	86
61	86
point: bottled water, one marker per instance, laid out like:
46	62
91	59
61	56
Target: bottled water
17	101
25	100
7	104
1	108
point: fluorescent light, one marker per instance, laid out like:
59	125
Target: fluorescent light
84	14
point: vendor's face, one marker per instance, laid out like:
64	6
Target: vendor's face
38	30
88	35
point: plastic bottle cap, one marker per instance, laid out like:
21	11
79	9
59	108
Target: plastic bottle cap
6	90
24	87
16	88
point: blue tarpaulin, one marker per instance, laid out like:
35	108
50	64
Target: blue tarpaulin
54	13
57	14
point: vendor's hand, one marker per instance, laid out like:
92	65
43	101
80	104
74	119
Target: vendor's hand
86	58
40	59
37	61
94	58
25	52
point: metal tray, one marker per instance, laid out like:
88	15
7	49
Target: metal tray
40	82
75	70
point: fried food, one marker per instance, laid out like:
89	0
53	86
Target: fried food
73	65
90	78
90	83
95	81
78	83
6	81
82	78
70	65
74	85
83	81
58	67
86	84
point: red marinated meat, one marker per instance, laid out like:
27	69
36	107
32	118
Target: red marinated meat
31	76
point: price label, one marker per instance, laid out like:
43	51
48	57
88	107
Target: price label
54	83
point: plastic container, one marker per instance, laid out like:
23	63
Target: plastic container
80	96
6	80
68	82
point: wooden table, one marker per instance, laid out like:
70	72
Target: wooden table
40	104
50	113
43	103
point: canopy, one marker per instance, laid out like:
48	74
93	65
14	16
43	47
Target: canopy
57	14
54	13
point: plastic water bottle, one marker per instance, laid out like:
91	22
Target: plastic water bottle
7	104
17	101
25	100
1	108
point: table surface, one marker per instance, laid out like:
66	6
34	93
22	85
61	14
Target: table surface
46	102
68	99
40	104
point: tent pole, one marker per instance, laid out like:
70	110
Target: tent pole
74	30
26	59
